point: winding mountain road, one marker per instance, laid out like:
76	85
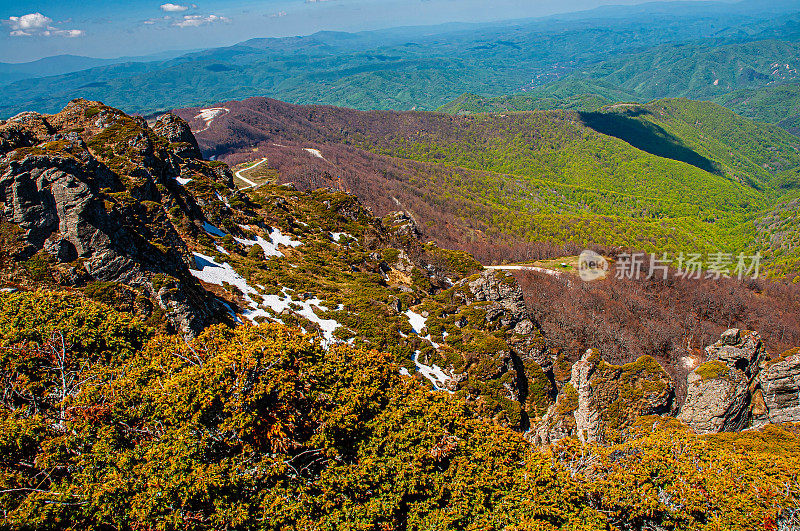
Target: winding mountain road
251	184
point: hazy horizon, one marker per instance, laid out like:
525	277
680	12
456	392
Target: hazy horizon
35	30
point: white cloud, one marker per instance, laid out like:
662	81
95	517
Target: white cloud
151	21
173	8
36	24
193	21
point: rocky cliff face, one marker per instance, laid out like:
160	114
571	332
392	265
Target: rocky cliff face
600	397
737	387
88	192
779	387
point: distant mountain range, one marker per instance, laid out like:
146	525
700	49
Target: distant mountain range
636	53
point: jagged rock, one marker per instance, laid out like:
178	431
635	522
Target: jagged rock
742	352
506	306
179	134
61	249
719	391
587	415
91	209
403	224
601	396
780	387
717	399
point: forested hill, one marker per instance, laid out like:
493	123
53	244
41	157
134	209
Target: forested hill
663	177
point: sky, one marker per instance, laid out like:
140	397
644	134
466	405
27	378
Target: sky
30	30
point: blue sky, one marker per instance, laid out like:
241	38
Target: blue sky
35	29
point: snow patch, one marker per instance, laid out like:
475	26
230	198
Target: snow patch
223	199
337	236
208	115
280	239
270	248
317	153
416	321
433	373
212	272
183	181
278	304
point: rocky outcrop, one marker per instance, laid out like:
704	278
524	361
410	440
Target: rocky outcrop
779	383
719	393
600	396
89	190
505	305
717	399
178	133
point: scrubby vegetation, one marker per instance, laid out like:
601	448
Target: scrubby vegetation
260	428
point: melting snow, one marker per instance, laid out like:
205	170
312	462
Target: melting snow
416	321
212	272
270	248
280	239
207	115
221	249
215	273
317	153
433	373
337	236
278	304
404	371
223	199
183	181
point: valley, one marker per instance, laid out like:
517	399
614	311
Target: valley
669	177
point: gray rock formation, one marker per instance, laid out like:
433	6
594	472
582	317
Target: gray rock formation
103	222
720	390
601	396
177	132
780	386
717	399
587	415
506	306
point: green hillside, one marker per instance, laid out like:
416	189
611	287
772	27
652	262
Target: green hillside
474	104
671	175
703	70
612	54
776	104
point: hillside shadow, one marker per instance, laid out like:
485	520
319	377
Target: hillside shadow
646	136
